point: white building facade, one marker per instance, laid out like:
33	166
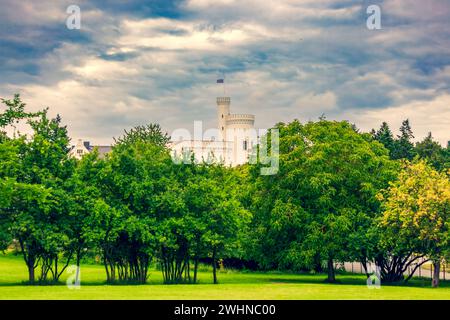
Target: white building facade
231	144
80	149
84	147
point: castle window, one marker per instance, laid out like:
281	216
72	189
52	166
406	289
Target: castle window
244	144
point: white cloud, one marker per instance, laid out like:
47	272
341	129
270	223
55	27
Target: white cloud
429	10
283	60
314	103
155	33
273	9
99	69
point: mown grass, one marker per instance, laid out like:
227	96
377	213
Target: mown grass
233	285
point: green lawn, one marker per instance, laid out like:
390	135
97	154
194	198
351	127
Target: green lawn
233	285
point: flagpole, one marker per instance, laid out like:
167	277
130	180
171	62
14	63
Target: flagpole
222	82
224	89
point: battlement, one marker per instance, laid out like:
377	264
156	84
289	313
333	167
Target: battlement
223	100
241	117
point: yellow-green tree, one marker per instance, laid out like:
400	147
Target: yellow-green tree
417	212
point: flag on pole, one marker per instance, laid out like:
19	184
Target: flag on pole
220	81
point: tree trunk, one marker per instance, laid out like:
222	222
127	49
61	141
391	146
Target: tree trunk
29	261
108	277
214	266
436	270
77	275
195	269
330	268
188	270
31	276
318	264
364	265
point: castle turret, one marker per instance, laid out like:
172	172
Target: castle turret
223	110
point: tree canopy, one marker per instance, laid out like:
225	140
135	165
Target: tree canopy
338	195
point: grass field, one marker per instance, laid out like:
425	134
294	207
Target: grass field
233	285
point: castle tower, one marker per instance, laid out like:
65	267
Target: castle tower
235	143
223	110
242	135
236	132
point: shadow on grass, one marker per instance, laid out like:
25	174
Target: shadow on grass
344	280
358	280
87	284
240	277
318	280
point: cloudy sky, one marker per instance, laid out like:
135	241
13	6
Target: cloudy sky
158	61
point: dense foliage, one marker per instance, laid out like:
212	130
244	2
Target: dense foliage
320	205
339	195
416	217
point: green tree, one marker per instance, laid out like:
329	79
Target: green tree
417	215
151	133
13	114
130	183
36	167
224	217
433	152
404	148
317	206
384	135
84	193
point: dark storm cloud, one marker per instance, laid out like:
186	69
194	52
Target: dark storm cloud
137	61
139	8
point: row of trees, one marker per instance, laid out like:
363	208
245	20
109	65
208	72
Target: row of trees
340	195
147	207
130	208
402	147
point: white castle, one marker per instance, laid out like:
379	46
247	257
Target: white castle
231	143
